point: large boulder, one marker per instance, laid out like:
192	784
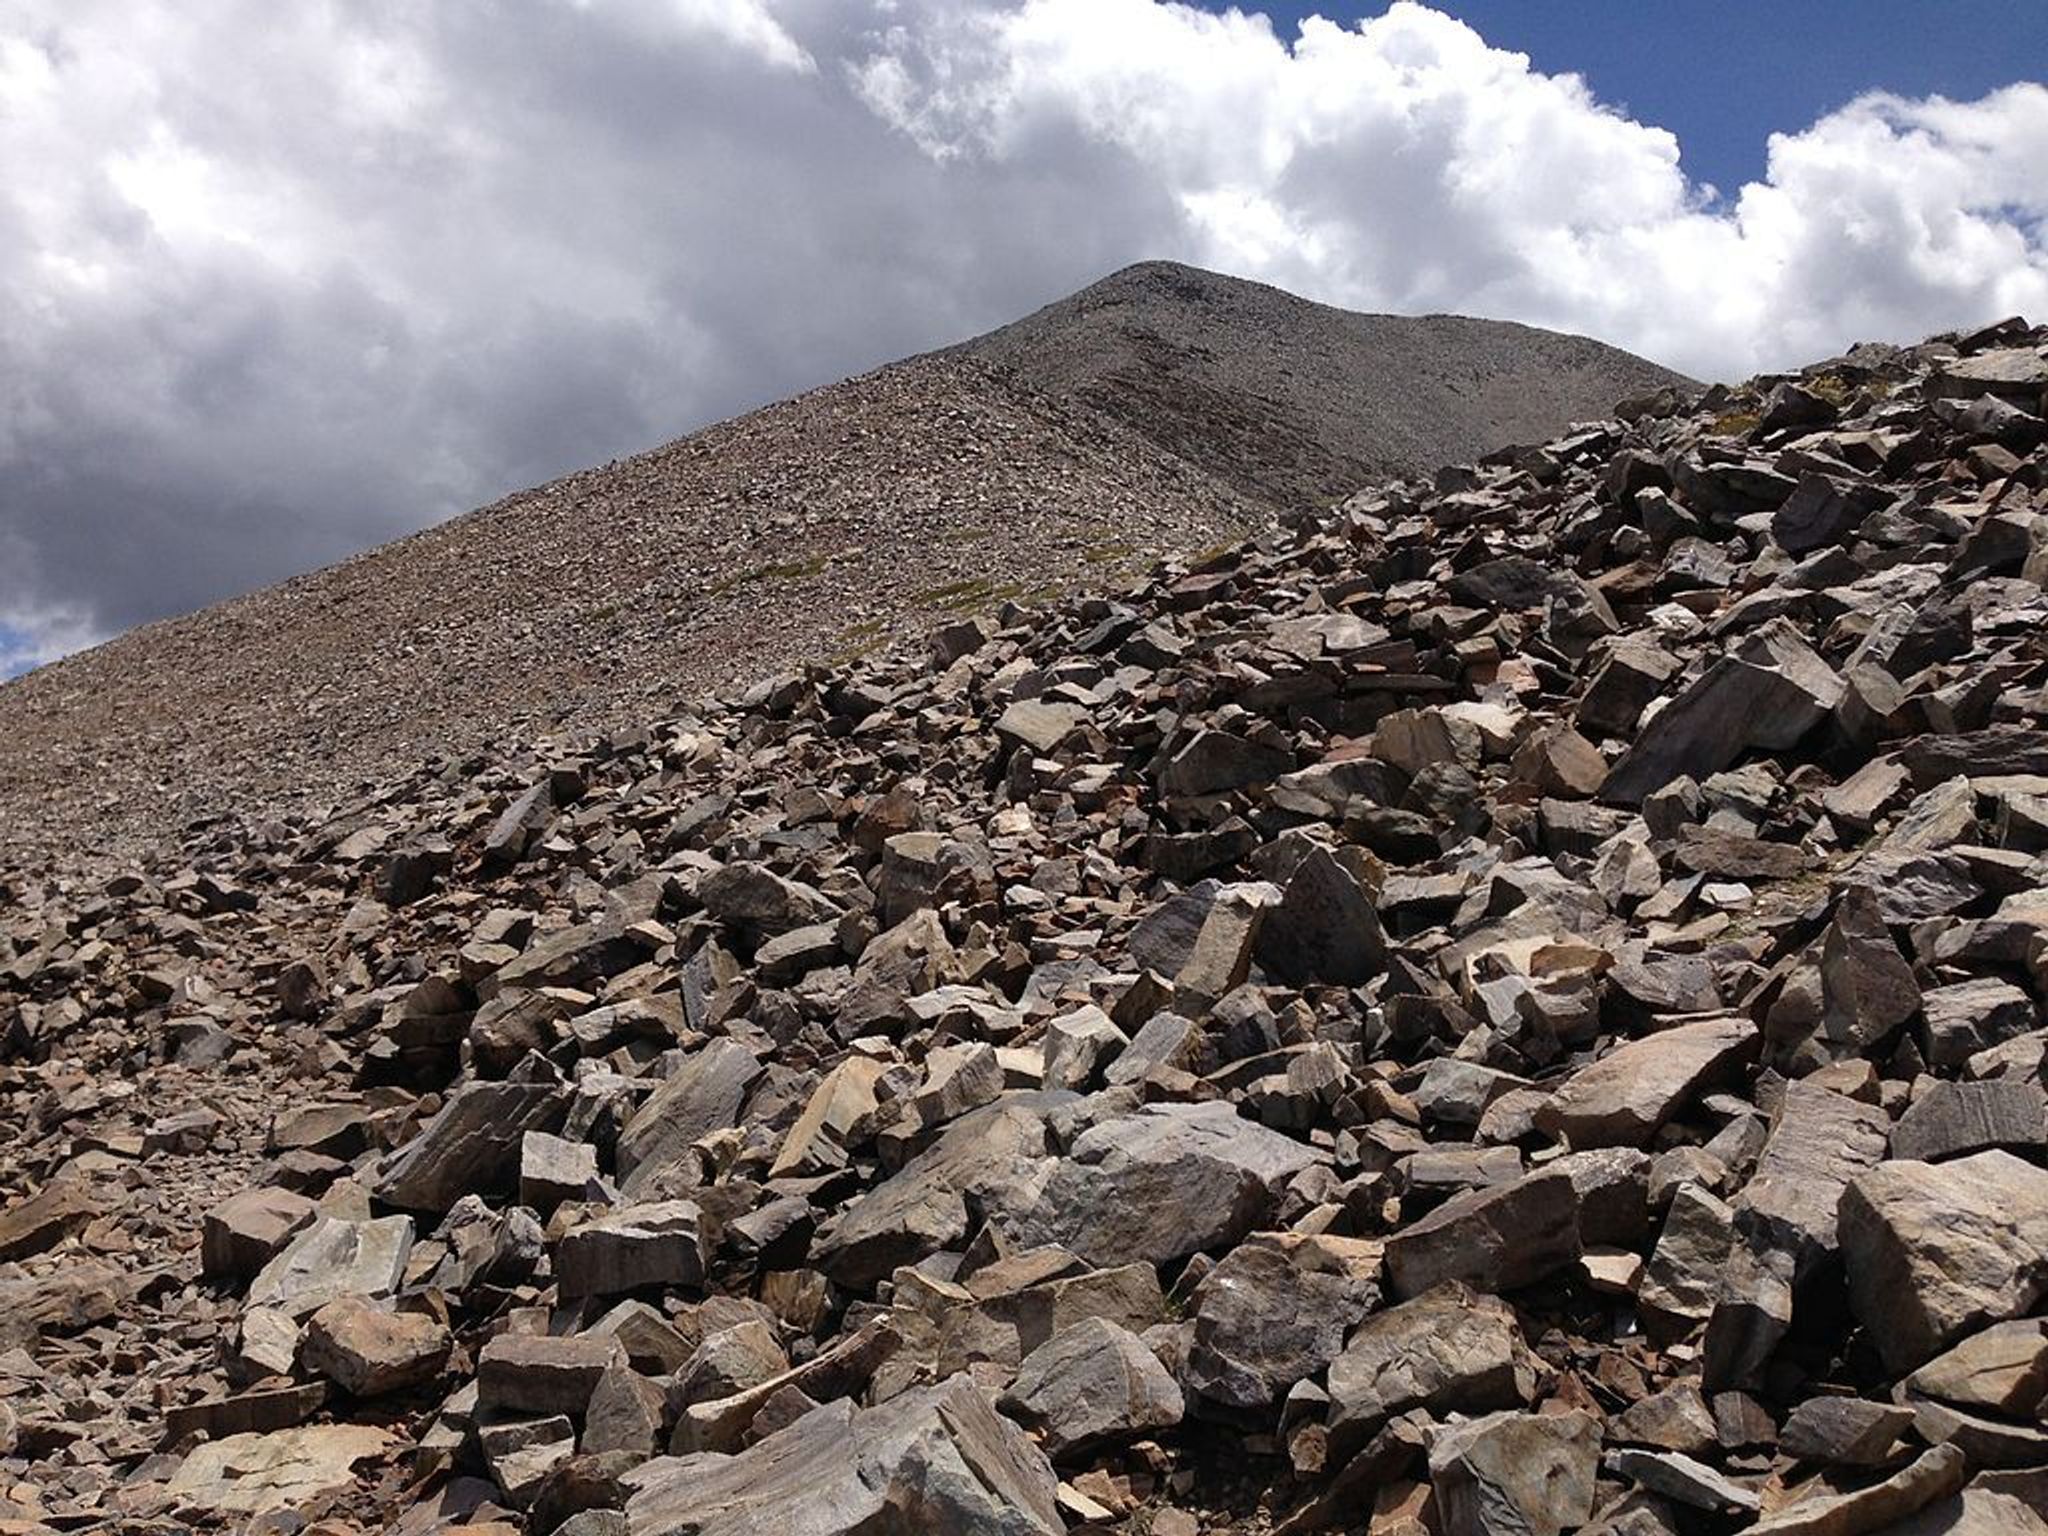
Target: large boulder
931	1462
1627	1095
1173	1180
1269	1316
1449	1350
993	1160
1092	1383
1495	1239
1934	1250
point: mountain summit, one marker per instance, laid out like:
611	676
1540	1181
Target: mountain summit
1161	410
1293	402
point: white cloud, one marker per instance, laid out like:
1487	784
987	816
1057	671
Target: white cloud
277	282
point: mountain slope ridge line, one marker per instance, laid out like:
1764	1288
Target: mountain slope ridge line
1029	461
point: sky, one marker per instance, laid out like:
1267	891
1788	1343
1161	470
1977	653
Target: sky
278	283
1722	76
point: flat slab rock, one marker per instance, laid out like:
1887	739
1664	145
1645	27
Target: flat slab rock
941	1458
255	1474
1624	1097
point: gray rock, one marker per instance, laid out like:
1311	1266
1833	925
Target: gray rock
537	1373
1935	1250
1448	1350
1093	1382
1624	1097
995	1157
1682	1280
759	903
1935	1475
1954	1119
927	1463
660	1243
1844	1431
1324	929
1496	1239
470	1147
1266	1318
1966	1017
705	1094
333	1258
1683	1480
1519	1472
1212	762
1038	725
1156	1186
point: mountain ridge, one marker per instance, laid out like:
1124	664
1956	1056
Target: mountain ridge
1019	463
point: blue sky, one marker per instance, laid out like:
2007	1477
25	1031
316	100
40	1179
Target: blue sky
1724	74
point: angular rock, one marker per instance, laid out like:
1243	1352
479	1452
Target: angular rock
1514	1471
659	1243
242	1233
935	1460
2003	1369
705	1095
537	1373
1092	1383
1447	1350
1623	1098
284	1470
368	1352
470	1147
1495	1240
1157	1186
333	1258
1935	1250
1266	1319
1935	1475
1324	928
1953	1119
45	1219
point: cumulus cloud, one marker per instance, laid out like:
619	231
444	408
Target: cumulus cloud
277	283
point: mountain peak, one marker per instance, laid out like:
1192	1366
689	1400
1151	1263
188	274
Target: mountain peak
1160	410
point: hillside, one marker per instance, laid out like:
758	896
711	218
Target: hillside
1513	1006
1159	411
1295	402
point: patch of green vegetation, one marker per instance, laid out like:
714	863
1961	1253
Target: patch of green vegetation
972	596
1107	552
791	570
1831	387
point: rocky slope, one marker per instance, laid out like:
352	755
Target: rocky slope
1161	411
1297	404
1513	1008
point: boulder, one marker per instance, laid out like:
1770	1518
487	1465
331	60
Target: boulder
1267	1317
1173	1180
929	1462
1092	1383
1495	1239
1514	1471
333	1258
368	1352
660	1243
1936	1250
1448	1350
1627	1095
